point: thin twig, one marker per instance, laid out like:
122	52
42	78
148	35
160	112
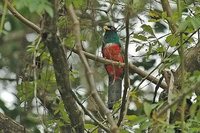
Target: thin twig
88	113
169	98
156	89
126	75
113	113
148	75
8	79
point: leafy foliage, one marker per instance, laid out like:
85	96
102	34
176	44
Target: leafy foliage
38	6
152	46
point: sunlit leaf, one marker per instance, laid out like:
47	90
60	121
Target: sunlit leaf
148	108
183	25
38	6
195	22
155	14
172	40
160	49
140	37
89	126
148	29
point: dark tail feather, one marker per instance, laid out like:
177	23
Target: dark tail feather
114	91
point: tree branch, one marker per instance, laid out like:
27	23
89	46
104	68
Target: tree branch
8	125
126	74
89	75
61	68
89	114
22	18
166	8
179	99
133	68
8	79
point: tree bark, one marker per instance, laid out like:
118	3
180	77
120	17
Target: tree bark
61	69
8	125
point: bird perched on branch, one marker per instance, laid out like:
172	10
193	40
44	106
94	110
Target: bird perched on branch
112	50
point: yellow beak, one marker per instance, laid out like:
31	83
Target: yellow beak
106	28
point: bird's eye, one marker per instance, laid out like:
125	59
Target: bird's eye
112	28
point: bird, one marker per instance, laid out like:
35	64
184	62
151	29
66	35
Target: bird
112	49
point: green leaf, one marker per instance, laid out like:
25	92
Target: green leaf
139	48
68	2
183	25
78	3
49	10
172	40
164	15
69	41
149	50
33	5
160	49
193	109
140	37
148	108
155	14
145	125
37	6
89	126
134	119
123	130
131	117
20	3
137	5
195	22
61	109
148	29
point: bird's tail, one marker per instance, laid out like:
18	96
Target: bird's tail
114	91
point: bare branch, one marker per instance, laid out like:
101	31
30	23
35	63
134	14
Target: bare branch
8	125
166	8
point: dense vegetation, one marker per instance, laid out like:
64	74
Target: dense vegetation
50	61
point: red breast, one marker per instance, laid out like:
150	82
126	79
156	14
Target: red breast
113	52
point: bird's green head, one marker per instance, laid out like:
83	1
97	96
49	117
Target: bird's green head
110	35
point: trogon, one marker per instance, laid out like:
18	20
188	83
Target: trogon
112	50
